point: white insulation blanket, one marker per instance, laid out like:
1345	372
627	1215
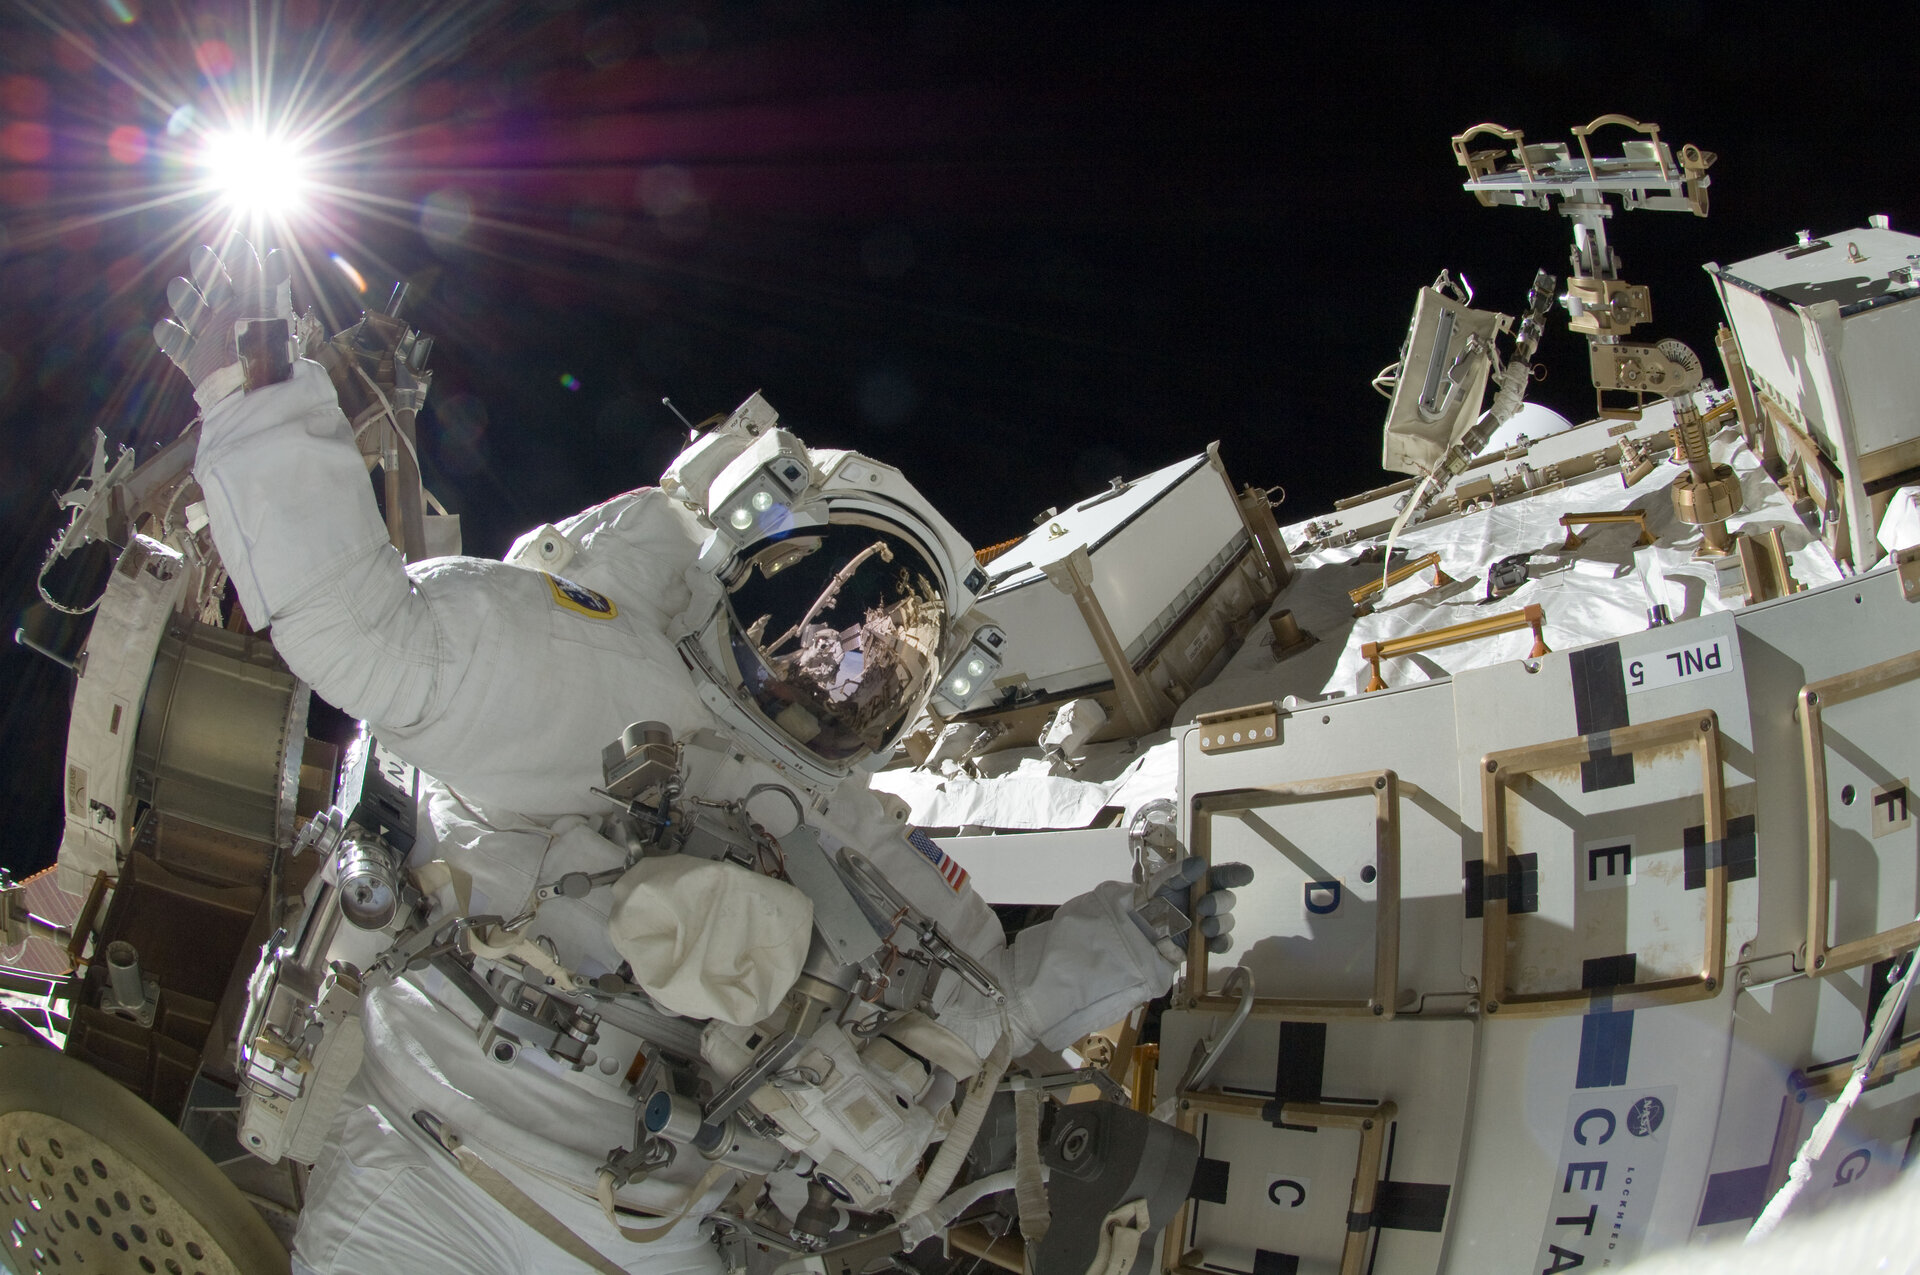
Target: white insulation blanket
1604	587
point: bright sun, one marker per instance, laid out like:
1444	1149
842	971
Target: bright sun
255	173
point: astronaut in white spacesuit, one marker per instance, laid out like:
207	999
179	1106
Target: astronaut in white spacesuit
504	682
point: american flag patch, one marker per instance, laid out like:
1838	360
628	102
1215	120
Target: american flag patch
945	864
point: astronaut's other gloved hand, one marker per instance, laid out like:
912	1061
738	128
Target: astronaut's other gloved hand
1210	908
233	321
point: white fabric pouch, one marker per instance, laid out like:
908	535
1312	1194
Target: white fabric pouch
708	939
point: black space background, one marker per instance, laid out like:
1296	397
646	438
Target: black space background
1016	250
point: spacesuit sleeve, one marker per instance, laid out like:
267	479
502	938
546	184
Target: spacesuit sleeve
1085	968
294	519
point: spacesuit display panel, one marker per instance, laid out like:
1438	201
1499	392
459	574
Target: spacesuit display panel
503	684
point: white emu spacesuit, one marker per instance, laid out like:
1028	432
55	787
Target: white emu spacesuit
504	682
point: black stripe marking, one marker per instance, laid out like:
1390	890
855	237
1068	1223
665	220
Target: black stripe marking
1735	1196
1740	852
1600	706
1475	893
1302	1062
1210	1181
1523	883
1267	1262
1606	1043
1411	1206
1300	1069
1520	886
1608	971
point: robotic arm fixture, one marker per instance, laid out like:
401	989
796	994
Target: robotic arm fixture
1435	428
1601	305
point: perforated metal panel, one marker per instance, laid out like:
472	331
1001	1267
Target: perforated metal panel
93	1179
71	1202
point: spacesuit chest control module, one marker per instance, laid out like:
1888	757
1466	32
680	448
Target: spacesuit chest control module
605	921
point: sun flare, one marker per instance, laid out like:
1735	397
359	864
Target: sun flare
255	173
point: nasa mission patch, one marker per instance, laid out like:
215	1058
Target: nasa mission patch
581	600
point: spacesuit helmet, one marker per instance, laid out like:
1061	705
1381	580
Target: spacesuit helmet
841	599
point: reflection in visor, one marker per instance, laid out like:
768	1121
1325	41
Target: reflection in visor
857	656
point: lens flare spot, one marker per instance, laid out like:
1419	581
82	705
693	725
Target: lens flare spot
445	217
462	434
215	58
125	12
568	381
180	121
665	190
254	172
354	277
127	144
26	142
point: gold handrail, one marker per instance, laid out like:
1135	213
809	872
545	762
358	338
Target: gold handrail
1828	1081
1491	158
1651	130
1638	517
1530	616
1497	771
1814	699
1369	1120
1406	572
1384	786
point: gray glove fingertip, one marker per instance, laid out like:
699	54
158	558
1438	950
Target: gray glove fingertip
1213	903
1215	926
1220	945
174	342
210	276
188	306
276	269
249	280
1230	875
276	282
238	256
203	263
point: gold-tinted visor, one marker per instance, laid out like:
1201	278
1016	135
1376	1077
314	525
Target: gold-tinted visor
838	642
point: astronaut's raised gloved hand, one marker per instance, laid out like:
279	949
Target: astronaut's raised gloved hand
233	321
1208	906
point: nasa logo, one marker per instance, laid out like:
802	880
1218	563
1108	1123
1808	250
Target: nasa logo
1644	1116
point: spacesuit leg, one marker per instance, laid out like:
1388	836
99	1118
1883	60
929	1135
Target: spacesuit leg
380	1203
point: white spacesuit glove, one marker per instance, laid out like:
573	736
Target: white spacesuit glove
233	321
